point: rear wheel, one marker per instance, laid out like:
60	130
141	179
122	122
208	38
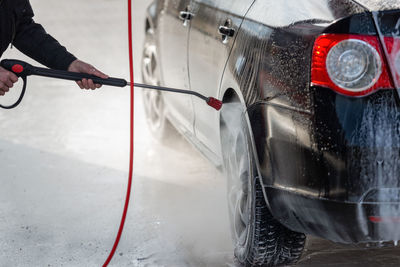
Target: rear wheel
153	101
259	239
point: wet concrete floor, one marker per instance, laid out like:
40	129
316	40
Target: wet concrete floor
64	165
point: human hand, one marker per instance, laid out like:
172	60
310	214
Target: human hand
82	67
7	80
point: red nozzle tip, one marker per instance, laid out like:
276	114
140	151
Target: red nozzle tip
215	103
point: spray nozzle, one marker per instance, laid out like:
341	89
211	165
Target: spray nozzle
215	103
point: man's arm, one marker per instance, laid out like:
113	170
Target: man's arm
35	42
31	39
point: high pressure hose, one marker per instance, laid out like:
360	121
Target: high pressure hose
131	147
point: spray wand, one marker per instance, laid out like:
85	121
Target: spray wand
23	69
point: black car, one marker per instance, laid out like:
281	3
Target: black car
309	133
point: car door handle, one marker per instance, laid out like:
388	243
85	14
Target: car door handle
226	31
185	16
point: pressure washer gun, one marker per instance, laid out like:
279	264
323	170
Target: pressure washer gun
23	69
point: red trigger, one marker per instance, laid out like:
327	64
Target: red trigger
17	68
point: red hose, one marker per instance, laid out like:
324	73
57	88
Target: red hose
128	192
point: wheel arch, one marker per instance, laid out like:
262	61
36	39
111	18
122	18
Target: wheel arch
256	130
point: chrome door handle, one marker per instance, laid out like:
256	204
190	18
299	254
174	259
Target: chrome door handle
226	31
185	16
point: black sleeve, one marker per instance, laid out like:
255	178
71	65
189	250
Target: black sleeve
32	40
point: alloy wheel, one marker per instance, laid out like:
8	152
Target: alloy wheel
153	101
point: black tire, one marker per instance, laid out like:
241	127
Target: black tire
153	100
259	239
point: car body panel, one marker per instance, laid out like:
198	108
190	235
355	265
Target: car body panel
319	153
173	57
270	64
312	137
208	54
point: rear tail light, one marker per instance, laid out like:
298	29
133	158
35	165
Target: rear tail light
352	65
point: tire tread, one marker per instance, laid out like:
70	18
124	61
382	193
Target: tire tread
272	243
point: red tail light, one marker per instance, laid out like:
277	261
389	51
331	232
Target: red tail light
352	65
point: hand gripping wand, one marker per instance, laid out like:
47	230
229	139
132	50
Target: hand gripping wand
23	69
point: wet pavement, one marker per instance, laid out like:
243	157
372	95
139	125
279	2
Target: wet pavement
64	168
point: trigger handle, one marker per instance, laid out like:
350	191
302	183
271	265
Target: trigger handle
18	67
20	97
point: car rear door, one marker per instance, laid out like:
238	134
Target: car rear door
173	35
212	34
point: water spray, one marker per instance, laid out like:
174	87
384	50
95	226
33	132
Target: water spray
23	69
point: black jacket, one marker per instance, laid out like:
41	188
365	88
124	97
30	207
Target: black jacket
17	27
